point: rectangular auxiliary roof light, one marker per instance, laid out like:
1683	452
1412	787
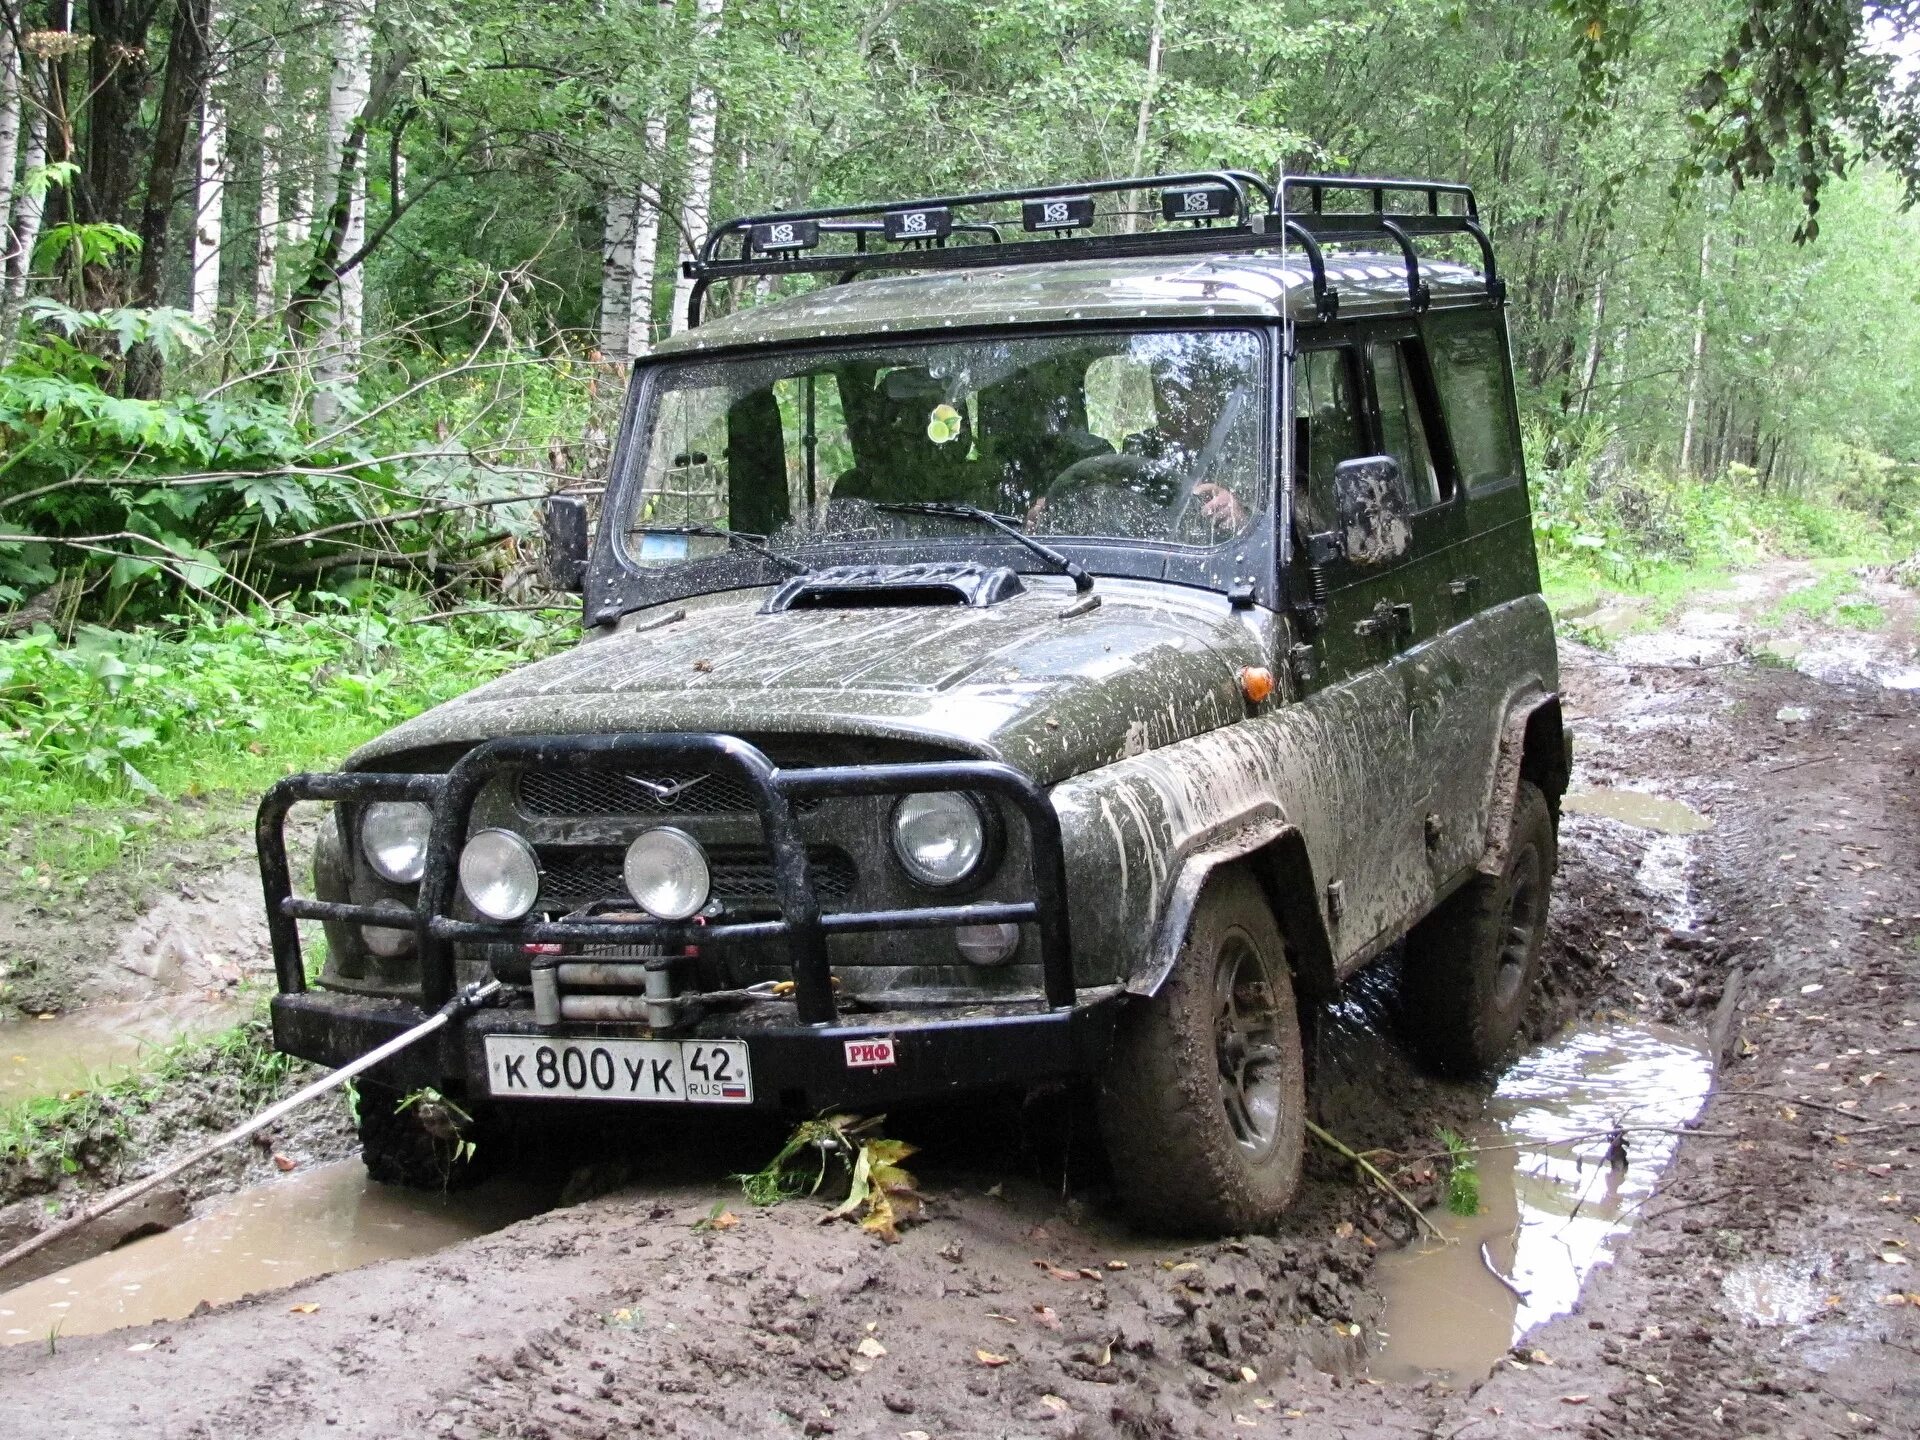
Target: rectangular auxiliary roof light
1197	202
1062	212
776	235
932	223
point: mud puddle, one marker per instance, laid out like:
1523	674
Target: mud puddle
330	1218
1639	809
1552	1207
46	1057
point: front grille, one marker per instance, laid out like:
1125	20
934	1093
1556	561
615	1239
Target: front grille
663	791
742	877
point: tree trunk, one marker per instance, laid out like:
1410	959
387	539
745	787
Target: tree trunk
189	54
702	125
266	253
616	276
210	199
1590	369
118	78
9	123
1155	37
1699	346
646	245
26	217
341	308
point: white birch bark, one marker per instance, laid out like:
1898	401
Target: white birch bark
266	252
210	196
703	120
1155	39
646	244
344	305
9	131
1699	348
616	276
30	210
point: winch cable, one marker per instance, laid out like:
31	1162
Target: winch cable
470	998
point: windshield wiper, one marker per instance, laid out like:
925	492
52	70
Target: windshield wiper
746	541
1006	524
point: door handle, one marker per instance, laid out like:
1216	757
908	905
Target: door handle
1464	587
1387	619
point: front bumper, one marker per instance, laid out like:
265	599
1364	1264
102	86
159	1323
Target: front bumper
797	1068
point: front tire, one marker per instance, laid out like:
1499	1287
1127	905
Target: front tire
428	1143
1203	1103
1472	964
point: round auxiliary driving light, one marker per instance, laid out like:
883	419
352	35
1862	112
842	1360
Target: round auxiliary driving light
393	837
500	874
939	836
666	872
986	944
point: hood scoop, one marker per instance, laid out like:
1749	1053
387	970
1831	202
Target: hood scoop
886	587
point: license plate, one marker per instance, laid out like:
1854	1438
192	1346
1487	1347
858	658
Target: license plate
712	1072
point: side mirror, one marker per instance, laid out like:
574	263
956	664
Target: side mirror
1373	508
563	522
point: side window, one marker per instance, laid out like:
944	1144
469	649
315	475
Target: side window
1326	430
1403	433
1470	372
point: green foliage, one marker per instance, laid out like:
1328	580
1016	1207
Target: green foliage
1463	1175
212	703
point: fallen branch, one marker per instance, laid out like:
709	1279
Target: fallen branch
1374	1173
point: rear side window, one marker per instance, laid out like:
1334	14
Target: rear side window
1326	428
1470	372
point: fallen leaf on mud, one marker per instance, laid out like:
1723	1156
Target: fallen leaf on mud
1248	1374
306	1309
1175	1267
1575	1399
1054	1272
1106	1354
1261	1402
283	1164
996	1191
1090	1274
1896	1298
996	1315
915	1435
1055	1403
1540	1357
1894	1258
1046	1316
704	667
1116	1264
1243	1420
989	1359
146	1345
871	1348
1343	1229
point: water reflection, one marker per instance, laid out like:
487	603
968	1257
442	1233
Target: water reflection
1552	1204
45	1057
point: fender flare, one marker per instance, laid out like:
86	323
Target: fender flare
1277	853
1534	745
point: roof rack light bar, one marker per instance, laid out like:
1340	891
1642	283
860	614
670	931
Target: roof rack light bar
1216	211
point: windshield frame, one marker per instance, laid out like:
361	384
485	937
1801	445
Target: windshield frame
616	585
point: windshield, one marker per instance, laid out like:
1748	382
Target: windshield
1136	437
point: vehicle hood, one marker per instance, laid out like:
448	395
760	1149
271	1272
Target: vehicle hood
1017	681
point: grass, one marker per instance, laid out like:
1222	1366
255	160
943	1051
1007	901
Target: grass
110	741
1463	1175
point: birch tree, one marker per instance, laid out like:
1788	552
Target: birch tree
646	244
616	275
266	245
342	307
703	114
210	196
9	121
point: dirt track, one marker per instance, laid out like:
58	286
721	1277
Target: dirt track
618	1316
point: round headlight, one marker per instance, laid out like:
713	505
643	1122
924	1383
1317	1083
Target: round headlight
500	874
393	837
666	872
939	837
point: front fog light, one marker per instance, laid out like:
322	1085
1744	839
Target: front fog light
500	874
986	944
939	836
666	873
393	837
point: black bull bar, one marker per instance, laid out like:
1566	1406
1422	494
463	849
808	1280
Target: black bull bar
774	789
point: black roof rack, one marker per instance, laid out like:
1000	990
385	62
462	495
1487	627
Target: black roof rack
1201	212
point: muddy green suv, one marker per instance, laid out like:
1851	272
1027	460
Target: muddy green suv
1030	638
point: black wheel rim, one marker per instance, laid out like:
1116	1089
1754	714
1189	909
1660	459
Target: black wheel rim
1246	1045
1519	928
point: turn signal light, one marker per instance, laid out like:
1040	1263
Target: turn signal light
1256	683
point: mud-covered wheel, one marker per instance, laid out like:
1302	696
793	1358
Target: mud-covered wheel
1472	964
424	1141
1203	1103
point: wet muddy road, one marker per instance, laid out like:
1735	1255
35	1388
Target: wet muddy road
1758	915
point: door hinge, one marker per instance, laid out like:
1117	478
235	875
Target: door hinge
1336	900
1303	664
1387	618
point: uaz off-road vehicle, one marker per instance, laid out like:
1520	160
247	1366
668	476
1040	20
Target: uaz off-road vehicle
1059	648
